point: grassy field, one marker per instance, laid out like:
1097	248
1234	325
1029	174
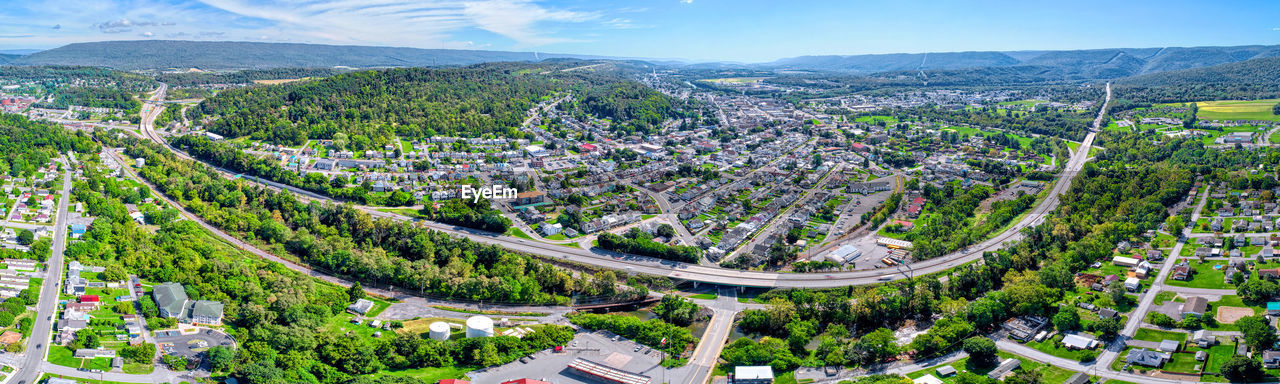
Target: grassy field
1237	110
1155	335
704	296
1205	276
428	375
1053	346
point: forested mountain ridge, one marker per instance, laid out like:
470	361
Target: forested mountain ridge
1086	64
162	54
372	107
1246	80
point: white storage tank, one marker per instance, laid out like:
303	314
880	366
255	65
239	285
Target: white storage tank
479	326
439	330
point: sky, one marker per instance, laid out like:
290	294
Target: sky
692	30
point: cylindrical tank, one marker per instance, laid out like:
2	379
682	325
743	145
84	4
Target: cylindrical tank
479	326
439	330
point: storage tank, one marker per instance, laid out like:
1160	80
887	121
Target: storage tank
479	326
439	330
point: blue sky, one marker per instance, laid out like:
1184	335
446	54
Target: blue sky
699	30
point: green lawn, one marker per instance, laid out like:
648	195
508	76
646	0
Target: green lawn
1184	363
427	375
513	231
1053	346
63	356
1156	335
1205	276
704	296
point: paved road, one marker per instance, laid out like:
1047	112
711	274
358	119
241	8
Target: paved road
713	274
707	353
38	343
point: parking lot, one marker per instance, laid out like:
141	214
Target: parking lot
598	347
191	345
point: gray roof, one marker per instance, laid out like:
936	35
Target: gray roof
206	308
1145	357
170	297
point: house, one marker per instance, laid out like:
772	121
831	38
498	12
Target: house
1026	327
1107	313
171	298
753	374
1269	273
1182	271
1194	306
360	307
1132	284
1079	341
1146	358
1154	255
1169	346
946	371
10	337
1203	339
549	229
453	381
1124	261
1006	366
1271	359
206	312
1078	378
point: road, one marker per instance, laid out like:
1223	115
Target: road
707	353
38	343
711	274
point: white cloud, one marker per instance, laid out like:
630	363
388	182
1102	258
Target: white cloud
518	19
686	1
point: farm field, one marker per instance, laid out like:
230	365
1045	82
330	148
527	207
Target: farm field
1237	109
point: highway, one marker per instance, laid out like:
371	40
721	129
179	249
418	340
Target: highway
712	274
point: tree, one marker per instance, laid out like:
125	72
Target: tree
1067	319
981	350
142	353
1275	110
1108	328
1257	290
86	338
220	358
1117	292
176	362
25	237
1174	224
873	347
1241	369
1257	331
355	292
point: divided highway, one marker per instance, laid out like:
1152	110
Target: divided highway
715	275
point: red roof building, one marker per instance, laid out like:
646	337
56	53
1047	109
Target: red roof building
526	381
587	147
89	298
453	381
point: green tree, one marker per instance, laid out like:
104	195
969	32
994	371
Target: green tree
1174	225
355	292
26	237
1258	333
1241	369
981	350
221	358
1067	319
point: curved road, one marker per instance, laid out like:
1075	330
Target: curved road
711	274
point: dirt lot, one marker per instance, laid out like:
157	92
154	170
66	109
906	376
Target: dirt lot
1229	315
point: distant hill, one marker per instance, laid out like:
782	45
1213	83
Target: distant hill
1254	72
1064	65
7	58
163	54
